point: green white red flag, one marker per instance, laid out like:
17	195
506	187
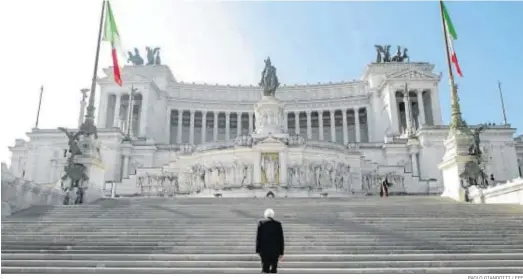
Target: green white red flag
451	34
111	35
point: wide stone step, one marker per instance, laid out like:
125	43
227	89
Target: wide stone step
247	215
297	209
252	257
192	240
172	223
239	243
240	219
248	245
231	270
252	230
316	227
217	250
256	264
251	235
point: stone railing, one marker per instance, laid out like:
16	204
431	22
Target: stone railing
510	193
18	194
214	146
326	145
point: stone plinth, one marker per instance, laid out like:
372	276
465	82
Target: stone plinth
95	169
454	160
269	118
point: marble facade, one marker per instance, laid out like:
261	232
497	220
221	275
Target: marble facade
332	137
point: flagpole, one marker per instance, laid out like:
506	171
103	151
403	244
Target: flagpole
456	121
88	126
502	103
39	106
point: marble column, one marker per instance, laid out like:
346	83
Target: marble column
144	110
414	160
320	121
180	130
370	123
333	127
116	119
126	152
408	111
126	166
309	125
421	107
238	124
286	121
215	128
345	129
227	125
204	126
250	123
297	122
168	125
191	128
357	123
394	113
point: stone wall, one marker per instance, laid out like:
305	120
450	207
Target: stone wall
19	194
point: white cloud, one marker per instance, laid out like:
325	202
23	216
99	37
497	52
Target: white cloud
53	43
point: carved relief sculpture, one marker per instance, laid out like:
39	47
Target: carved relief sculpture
270	168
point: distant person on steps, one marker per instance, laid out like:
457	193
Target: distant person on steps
384	188
269	242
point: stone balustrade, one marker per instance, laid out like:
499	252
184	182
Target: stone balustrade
510	192
18	194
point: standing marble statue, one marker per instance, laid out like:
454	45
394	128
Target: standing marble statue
269	170
269	80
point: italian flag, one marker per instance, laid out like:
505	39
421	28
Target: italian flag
451	35
111	35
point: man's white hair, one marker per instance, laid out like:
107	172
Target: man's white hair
269	213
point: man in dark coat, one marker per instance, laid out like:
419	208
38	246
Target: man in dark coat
269	242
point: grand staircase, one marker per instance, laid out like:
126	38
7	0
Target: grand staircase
216	235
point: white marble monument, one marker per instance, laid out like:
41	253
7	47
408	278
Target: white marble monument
339	138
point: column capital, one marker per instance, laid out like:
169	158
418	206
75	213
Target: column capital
356	109
227	113
204	112
193	111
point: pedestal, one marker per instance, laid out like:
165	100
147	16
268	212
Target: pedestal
269	118
126	152
454	160
270	145
414	148
94	168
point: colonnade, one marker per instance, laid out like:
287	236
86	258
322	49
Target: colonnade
340	126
